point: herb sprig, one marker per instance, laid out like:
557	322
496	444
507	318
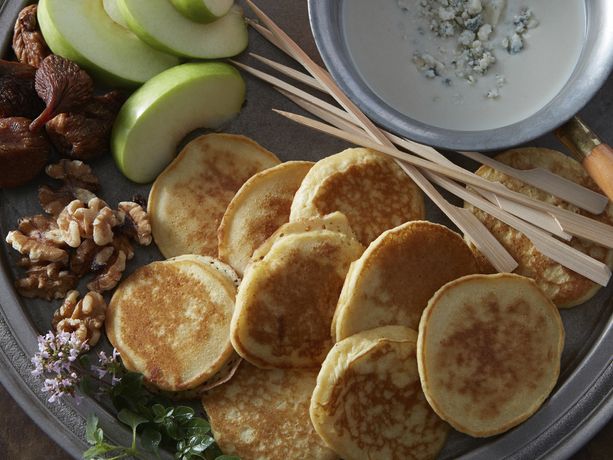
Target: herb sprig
159	424
156	423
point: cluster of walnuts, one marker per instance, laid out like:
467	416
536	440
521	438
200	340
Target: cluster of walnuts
79	234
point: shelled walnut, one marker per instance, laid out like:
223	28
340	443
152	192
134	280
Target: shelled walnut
47	281
53	201
85	317
74	174
111	275
78	183
28	42
136	223
39	239
94	220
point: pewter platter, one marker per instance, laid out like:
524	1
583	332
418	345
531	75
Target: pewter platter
580	405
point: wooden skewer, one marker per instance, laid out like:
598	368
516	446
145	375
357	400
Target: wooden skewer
551	183
549	246
292	73
539	218
534	217
502	260
571	222
540	178
382	143
524	226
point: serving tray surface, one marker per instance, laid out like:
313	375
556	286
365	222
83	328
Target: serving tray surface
582	401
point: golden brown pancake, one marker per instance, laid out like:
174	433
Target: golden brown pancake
368	402
259	208
367	186
335	222
396	276
562	285
189	198
264	414
170	321
286	300
489	352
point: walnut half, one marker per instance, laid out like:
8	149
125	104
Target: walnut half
85	316
39	239
136	223
45	281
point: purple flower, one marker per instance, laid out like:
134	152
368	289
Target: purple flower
108	365
61	385
56	353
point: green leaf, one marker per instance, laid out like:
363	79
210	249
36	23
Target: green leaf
151	439
227	457
183	414
172	429
197	426
91	429
159	413
97	450
130	418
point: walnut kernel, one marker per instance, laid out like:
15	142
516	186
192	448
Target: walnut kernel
85	316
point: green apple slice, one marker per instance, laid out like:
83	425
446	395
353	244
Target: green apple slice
80	30
155	119
112	9
203	10
158	23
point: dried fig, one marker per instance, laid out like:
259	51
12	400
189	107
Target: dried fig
86	134
63	86
23	154
18	97
28	42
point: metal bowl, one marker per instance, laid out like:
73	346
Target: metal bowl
594	65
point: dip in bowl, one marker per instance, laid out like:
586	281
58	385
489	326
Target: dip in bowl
466	75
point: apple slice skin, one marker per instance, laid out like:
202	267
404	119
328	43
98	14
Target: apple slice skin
196	10
222	38
145	60
154	120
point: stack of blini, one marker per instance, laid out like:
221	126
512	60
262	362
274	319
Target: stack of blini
362	327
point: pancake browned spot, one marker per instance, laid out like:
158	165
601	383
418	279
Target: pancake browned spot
396	276
368	402
259	208
171	322
489	352
287	298
264	414
562	285
189	198
367	186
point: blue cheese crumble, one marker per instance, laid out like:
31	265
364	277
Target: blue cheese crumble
466	33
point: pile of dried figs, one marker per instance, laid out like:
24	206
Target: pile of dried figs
48	102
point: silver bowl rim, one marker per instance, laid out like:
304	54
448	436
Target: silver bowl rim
594	66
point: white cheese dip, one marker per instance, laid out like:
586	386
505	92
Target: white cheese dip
383	40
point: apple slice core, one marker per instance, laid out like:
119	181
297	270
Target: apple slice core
81	30
154	120
203	10
158	23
